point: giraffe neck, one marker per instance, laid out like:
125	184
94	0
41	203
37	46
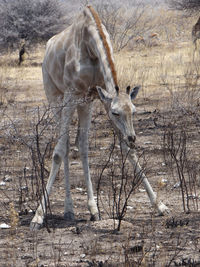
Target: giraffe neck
101	45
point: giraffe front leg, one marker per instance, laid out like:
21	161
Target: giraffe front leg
161	207
84	113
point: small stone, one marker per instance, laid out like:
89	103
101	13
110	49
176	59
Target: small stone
7	179
177	185
74	163
82	256
4	226
148	143
25	188
79	189
141	190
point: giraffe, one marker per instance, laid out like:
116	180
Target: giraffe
78	62
196	32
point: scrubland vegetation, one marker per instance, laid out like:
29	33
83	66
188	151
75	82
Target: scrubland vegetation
153	48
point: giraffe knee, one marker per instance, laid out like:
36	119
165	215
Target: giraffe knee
57	158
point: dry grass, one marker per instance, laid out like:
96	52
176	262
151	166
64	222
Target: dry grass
19	82
154	66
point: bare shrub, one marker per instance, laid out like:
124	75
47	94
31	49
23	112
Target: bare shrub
177	151
120	183
33	21
126	21
190	6
36	140
181	130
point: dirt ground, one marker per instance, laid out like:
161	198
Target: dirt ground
145	239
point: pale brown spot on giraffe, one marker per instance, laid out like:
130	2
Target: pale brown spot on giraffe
71	68
70	53
127	109
80	83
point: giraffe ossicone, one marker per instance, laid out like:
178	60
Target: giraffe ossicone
78	67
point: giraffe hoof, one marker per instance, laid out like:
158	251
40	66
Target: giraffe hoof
69	216
35	226
163	209
94	217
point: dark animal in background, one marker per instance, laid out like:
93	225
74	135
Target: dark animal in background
22	53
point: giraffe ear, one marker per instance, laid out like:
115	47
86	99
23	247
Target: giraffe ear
128	90
104	95
117	90
134	92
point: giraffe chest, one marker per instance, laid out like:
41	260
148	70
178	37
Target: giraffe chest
83	74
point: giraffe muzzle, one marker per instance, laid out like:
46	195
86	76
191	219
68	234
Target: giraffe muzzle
131	141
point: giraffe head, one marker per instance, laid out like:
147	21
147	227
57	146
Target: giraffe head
120	110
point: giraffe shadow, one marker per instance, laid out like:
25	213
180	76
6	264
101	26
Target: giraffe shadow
58	222
51	221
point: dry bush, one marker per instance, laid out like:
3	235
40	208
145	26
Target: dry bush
33	21
126	23
116	176
181	129
33	141
188	6
178	158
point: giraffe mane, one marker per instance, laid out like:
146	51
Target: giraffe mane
105	43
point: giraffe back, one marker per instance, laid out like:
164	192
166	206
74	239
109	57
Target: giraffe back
81	56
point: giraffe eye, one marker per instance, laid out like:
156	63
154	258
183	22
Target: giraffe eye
115	113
